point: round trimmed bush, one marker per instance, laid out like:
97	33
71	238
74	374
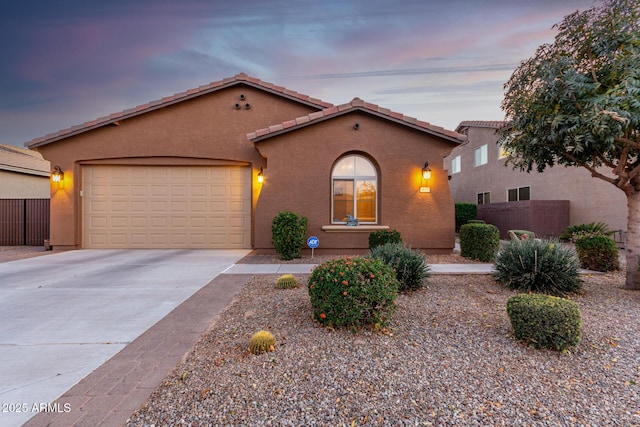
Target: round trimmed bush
597	252
479	241
352	292
538	266
410	266
545	321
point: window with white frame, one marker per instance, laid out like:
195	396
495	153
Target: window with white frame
520	193
354	184
455	165
481	155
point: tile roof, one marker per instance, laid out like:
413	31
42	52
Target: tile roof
16	159
241	78
481	124
360	105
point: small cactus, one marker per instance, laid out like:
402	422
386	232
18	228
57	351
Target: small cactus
261	342
287	281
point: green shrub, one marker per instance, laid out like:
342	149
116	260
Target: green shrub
382	237
597	252
352	292
286	281
288	234
410	266
538	266
464	213
476	221
545	321
573	232
479	241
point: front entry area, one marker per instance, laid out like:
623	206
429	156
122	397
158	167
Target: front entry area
166	207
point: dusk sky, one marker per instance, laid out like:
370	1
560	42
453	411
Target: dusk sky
67	62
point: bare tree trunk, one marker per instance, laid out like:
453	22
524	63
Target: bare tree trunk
633	241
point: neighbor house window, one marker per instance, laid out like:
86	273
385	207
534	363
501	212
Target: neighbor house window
354	183
455	165
481	155
502	153
484	198
520	193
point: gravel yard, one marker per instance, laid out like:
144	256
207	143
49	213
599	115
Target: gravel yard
448	358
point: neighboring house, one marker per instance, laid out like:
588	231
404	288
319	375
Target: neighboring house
24	174
212	167
24	197
478	175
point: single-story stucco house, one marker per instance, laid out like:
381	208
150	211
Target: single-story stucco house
211	168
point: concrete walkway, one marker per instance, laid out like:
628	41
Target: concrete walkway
306	268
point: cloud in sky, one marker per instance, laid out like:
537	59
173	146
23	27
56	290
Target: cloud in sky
442	62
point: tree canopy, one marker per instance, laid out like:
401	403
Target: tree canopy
577	101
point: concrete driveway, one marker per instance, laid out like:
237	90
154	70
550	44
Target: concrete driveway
62	315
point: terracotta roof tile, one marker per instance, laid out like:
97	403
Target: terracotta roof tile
494	124
276	128
262	132
330	110
358	104
140	109
316	115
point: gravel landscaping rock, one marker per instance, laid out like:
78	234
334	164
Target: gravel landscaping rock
448	358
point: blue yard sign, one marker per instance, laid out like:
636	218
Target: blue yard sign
313	242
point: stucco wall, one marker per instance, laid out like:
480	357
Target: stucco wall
204	130
298	179
17	185
591	199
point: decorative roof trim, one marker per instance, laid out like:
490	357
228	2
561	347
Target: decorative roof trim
356	104
115	118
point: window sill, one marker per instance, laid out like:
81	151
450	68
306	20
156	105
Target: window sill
353	229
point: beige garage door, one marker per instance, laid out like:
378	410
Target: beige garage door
166	207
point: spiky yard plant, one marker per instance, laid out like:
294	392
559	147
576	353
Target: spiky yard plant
261	342
410	266
287	281
538	266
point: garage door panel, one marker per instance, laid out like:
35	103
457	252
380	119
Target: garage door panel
166	207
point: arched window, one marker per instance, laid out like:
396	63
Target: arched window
354	184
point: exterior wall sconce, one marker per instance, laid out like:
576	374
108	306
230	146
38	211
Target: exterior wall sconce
57	175
261	176
426	171
426	176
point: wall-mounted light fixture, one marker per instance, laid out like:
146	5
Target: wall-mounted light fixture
426	171
261	176
56	174
426	176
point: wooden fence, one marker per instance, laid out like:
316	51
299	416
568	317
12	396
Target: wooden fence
24	222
